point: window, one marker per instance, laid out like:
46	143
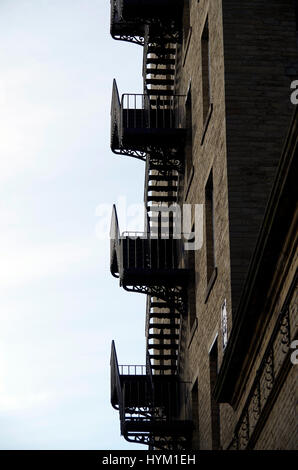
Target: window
209	223
205	51
191	293
195	415
215	416
188	144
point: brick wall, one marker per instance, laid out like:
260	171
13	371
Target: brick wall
209	152
251	44
259	45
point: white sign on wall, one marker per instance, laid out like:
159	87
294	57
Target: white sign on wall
224	324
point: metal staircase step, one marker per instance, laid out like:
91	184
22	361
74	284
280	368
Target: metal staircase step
158	207
162	178
159	92
159	305
170	219
163	357
165	316
160	198
163	367
163	336
156	71
160	61
159	81
163	346
164	326
161	313
152	49
162	189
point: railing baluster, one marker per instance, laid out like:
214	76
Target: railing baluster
135	111
142	113
167	111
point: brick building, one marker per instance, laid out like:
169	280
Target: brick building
217	132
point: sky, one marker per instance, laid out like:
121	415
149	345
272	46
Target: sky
59	306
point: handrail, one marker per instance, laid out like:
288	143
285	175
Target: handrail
132	235
149	370
132	369
160	112
114	244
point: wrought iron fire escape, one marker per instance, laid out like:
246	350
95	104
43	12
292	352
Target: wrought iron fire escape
152	127
153	408
132	19
149	126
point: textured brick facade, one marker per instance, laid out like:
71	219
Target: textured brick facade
251	44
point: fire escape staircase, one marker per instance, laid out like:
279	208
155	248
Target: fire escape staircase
152	127
163	318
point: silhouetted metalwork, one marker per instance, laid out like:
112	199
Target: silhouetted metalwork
154	409
141	125
151	127
130	19
275	360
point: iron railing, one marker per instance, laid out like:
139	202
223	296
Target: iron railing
272	367
149	253
146	10
142	111
132	369
138	250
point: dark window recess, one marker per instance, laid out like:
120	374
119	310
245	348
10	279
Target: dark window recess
195	415
215	415
209	222
205	51
188	143
191	264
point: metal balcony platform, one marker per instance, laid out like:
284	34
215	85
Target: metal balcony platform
140	125
129	19
150	406
144	262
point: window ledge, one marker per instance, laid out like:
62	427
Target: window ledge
206	124
210	284
189	181
192	331
187	43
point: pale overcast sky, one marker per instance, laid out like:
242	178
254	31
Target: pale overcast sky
59	306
